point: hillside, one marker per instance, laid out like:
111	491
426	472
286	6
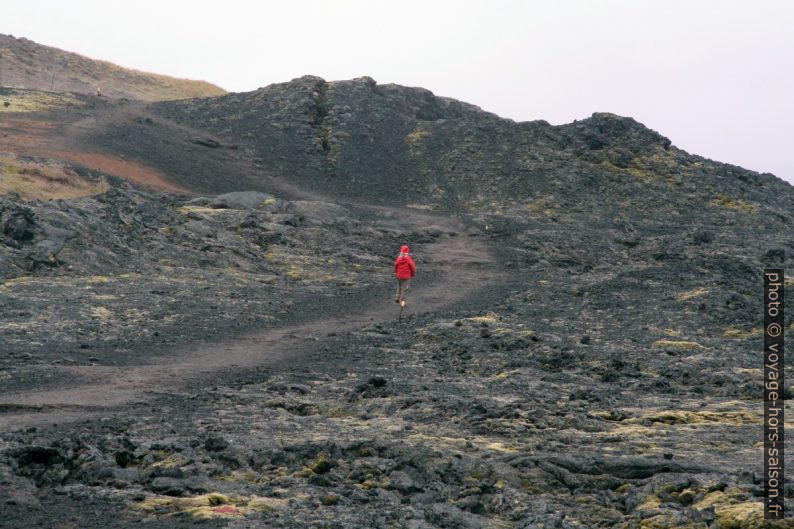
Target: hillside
393	143
199	329
26	64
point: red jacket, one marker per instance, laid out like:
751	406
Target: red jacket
404	267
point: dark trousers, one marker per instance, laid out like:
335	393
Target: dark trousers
402	287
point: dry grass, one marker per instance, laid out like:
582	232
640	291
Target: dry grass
101	313
734	203
426	207
732	507
200	210
488	317
674	417
212	505
676	345
18	101
34	66
43	181
416	136
701	291
545	206
661	165
154	87
667	332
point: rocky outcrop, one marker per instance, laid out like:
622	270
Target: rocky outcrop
395	144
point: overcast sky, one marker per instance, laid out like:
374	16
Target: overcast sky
715	76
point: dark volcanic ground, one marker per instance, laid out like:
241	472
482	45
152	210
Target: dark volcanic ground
581	347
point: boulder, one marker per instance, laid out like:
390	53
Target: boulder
703	237
201	227
216	444
18	224
167	486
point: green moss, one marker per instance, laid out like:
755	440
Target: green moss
218	499
677	345
748	515
416	136
34	101
734	203
673	417
368	484
330	499
12	169
322	463
732	508
686	496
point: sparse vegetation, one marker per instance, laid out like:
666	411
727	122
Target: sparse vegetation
694	293
679	345
417	136
734	203
43	180
20	101
210	506
34	66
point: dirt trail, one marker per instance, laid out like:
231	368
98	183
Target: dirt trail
460	265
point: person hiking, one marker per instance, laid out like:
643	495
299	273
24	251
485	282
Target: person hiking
404	269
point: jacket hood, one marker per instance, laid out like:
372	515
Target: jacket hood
405	249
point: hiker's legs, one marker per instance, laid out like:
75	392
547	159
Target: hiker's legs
402	286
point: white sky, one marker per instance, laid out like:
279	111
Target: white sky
715	76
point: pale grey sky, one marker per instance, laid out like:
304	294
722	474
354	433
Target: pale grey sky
715	76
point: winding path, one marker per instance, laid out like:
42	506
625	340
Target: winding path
459	265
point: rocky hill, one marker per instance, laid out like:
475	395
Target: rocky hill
26	64
392	143
581	346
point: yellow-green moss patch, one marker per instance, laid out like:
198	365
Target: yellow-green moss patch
208	506
673	417
694	293
199	209
676	345
734	203
44	180
416	136
34	101
741	334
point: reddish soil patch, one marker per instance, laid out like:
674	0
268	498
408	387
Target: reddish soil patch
30	137
130	171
